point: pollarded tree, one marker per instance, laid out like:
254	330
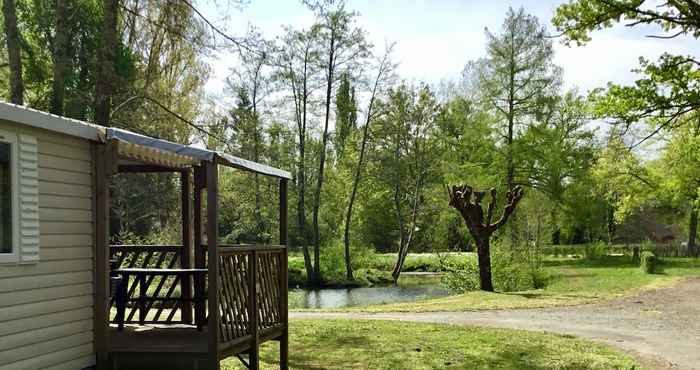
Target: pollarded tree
482	226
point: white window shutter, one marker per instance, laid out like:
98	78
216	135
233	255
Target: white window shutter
28	199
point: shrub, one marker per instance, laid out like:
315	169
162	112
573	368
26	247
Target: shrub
648	262
508	274
595	251
648	245
635	255
460	276
370	277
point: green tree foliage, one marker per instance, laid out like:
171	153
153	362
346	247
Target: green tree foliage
406	155
667	90
513	79
345	114
557	151
667	95
371	158
344	45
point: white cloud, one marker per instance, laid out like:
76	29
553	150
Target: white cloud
436	38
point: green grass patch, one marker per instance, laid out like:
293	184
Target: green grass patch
345	344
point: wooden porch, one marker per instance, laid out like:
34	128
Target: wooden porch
174	307
161	317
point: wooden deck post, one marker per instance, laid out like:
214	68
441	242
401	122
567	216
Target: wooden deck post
186	259
284	284
199	182
213	265
253	354
104	169
199	185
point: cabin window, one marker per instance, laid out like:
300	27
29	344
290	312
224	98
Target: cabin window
5	198
7	191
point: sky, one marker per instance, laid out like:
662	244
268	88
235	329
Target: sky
435	39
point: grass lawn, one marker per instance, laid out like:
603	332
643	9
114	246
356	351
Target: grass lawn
344	344
573	281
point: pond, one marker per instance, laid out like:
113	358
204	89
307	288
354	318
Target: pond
416	288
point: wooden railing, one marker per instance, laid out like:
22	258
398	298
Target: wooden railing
252	294
156	298
252	290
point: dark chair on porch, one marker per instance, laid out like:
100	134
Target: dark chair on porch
199	302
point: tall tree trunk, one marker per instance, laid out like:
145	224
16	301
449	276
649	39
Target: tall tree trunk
402	234
301	211
322	161
610	223
556	233
510	160
353	194
693	230
355	185
61	59
78	107
406	240
105	62
484	253
12	39
300	102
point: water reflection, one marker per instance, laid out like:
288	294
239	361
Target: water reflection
343	297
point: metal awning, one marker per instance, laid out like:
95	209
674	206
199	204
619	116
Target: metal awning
137	147
194	153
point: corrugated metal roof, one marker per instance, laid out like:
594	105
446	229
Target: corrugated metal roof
194	152
47	121
89	131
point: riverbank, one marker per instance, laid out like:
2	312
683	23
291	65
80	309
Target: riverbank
572	281
371	269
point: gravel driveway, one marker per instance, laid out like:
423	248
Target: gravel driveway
660	327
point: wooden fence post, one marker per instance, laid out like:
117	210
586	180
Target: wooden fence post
186	258
213	265
254	358
284	284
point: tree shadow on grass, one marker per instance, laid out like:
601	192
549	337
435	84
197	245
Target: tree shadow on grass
366	351
528	295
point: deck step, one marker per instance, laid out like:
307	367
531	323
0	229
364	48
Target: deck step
184	339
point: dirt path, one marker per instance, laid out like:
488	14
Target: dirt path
660	327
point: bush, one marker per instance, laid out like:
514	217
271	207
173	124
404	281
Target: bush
370	277
636	255
460	276
648	246
648	262
508	274
595	251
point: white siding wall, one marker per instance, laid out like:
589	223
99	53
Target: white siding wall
46	308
